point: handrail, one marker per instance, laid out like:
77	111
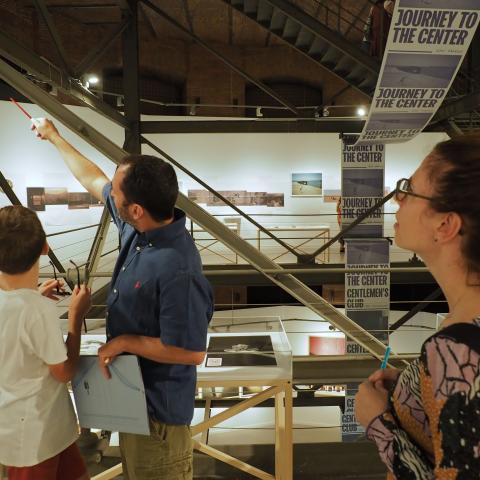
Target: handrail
341	8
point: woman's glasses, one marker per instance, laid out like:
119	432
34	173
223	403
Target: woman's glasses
404	188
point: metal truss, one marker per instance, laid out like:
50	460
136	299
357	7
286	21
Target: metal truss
258	260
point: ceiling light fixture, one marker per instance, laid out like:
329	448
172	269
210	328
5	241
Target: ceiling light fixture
361	111
93	79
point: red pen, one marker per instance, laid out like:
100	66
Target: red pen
21	108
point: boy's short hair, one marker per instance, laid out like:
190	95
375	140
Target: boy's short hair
22	239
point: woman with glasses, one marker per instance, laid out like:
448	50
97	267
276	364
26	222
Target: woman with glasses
425	420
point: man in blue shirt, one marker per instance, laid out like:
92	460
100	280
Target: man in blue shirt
159	303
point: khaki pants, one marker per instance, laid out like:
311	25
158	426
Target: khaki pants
166	454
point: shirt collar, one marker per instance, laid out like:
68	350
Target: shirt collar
167	232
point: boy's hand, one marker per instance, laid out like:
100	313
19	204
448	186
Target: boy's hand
47	288
45	129
80	303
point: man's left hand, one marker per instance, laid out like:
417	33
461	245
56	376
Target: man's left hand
108	352
370	402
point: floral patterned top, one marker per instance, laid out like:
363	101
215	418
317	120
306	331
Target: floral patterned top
432	429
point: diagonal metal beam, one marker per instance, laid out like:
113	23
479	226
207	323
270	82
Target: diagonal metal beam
14	200
464	104
53	75
94	55
419	307
334	38
356	18
221	57
47	18
53	107
257	259
149	23
97	246
188	15
286	125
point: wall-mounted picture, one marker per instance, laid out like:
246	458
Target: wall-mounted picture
36	199
94	202
307	185
39	197
331	196
56	196
240	198
77	200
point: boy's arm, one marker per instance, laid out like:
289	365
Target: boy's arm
85	171
81	302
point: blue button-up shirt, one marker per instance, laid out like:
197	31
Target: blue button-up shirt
158	290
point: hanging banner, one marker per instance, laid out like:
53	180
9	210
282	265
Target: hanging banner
367	302
426	46
362	186
367	295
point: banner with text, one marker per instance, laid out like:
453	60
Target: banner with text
426	46
362	186
367	295
367	302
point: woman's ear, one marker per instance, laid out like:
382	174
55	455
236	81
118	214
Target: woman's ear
449	228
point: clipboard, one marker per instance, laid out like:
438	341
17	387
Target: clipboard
118	404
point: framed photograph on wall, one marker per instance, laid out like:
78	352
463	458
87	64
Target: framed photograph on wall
307	185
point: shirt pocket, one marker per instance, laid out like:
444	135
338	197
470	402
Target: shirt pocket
144	307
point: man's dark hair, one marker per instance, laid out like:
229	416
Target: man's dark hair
152	183
21	239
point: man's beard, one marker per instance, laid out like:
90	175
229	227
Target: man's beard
125	216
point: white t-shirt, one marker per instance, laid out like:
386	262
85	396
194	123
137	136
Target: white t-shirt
37	420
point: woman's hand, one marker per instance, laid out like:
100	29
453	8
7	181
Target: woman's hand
386	377
371	401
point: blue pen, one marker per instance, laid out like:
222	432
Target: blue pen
385	358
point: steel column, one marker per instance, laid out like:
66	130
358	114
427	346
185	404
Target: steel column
131	85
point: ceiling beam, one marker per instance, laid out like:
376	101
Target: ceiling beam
463	105
53	75
47	18
97	53
321	125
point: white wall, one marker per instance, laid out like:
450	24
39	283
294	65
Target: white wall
254	162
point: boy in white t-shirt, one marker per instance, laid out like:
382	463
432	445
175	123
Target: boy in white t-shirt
38	427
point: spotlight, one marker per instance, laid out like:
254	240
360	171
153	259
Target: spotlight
325	112
92	80
361	111
259	112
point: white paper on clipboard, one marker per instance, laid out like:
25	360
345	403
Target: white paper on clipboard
118	404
